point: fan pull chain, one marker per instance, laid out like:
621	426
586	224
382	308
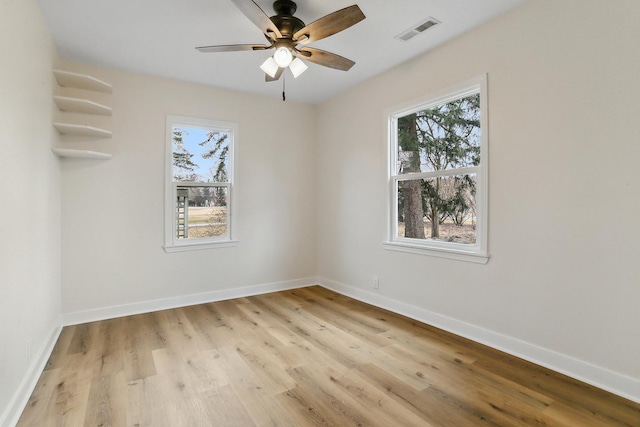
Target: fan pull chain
284	78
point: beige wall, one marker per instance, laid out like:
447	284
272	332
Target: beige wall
113	211
30	192
564	186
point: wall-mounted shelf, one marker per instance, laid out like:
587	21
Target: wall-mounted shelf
73	104
81	81
80	154
79	105
82	130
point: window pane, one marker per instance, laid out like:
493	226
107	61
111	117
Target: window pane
443	137
201	212
441	209
200	155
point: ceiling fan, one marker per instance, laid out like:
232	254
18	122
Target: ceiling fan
289	37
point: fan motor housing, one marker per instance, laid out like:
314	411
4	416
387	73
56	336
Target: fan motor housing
284	19
285	7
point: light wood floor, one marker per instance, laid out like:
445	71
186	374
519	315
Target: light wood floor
307	357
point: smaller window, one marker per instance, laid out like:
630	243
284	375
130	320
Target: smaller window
198	187
438	175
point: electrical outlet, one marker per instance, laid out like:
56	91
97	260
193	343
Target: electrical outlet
376	282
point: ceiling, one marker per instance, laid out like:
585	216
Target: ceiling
158	37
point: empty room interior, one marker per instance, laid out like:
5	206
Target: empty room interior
308	296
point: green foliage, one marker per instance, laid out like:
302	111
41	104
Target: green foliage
448	134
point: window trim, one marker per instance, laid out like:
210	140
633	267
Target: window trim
477	253
171	243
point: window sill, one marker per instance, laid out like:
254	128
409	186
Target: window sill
200	246
437	252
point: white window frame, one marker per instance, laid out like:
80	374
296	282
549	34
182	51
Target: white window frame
477	252
172	243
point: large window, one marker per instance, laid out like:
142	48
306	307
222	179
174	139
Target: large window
199	183
438	174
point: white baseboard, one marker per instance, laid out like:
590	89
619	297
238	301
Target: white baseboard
597	376
21	397
115	311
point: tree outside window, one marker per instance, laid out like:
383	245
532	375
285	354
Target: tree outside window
199	182
438	173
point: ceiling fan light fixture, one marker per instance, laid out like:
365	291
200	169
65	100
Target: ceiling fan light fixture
286	32
297	67
283	56
270	67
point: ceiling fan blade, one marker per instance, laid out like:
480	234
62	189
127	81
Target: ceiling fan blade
329	24
232	47
326	59
268	78
256	15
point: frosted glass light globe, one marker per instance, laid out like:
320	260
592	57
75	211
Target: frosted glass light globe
270	67
283	57
297	67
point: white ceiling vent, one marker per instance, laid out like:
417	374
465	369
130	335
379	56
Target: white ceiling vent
417	29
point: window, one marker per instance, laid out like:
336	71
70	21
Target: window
438	175
199	183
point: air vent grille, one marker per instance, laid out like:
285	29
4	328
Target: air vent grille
417	29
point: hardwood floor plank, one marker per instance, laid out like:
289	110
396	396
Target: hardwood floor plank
202	320
385	410
509	403
299	349
313	401
267	368
431	404
340	346
37	406
230	308
175	388
106	403
143	336
110	351
562	414
422	343
563	389
68	400
258	400
268	324
224	409
305	357
60	349
137	408
80	339
261	342
327	300
348	324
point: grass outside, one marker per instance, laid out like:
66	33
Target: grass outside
207	222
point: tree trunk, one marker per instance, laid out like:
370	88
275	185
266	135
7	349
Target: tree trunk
435	222
413	212
435	215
